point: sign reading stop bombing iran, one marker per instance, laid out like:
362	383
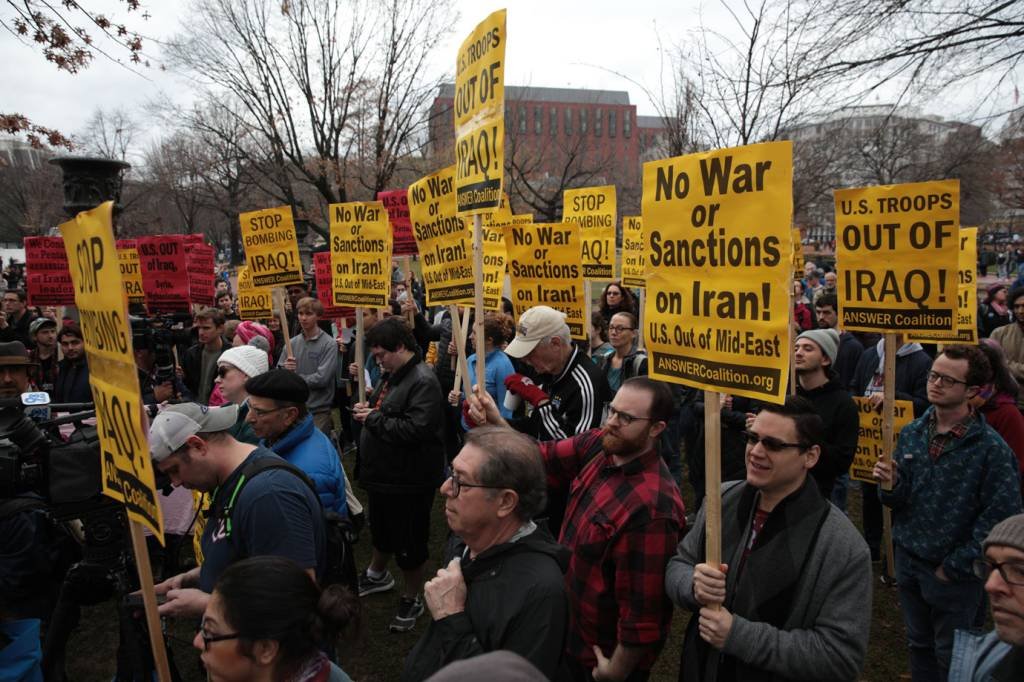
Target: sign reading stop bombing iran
633	260
897	254
271	247
545	268
870	444
360	253
718	247
480	117
253	303
594	210
967	296
442	238
99	295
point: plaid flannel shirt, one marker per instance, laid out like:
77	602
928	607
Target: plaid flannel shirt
622	524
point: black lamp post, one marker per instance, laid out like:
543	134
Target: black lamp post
89	181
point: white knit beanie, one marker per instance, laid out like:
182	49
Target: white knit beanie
250	360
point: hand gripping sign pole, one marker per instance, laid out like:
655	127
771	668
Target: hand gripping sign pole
888	440
713	479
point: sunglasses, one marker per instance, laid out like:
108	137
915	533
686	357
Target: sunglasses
770	443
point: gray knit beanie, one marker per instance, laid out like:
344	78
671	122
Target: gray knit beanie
827	340
1007	533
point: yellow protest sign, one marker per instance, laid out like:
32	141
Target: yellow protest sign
131	271
480	116
253	303
869	443
443	239
896	253
113	377
545	268
271	248
633	261
495	265
967	295
798	252
594	210
360	253
718	248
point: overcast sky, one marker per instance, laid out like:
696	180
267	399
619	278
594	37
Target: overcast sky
552	43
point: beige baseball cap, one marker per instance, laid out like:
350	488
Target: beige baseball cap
535	325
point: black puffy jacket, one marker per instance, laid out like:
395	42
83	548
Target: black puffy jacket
515	600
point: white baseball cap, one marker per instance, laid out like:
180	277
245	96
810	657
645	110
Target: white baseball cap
172	427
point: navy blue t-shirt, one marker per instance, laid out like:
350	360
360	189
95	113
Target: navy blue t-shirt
276	514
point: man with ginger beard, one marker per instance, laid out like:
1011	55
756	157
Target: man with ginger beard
622	523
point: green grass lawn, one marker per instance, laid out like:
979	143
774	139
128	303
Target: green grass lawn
377	655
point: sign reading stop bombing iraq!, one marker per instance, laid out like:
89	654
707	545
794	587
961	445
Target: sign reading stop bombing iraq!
271	247
594	210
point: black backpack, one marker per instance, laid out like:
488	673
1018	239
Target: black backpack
341	563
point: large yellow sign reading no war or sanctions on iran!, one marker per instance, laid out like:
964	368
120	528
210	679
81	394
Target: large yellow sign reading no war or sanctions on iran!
360	253
113	378
897	253
271	247
480	117
442	238
545	269
717	239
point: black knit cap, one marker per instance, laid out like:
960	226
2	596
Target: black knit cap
279	384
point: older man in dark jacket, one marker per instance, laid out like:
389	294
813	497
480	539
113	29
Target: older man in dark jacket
402	451
502	587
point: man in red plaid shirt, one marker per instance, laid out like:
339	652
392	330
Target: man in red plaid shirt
622	524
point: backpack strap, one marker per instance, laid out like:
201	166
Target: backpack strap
255	468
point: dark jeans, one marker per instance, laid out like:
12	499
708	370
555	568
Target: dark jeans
932	611
871	514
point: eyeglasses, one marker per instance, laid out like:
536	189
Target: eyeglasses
617	329
624	418
943	380
223	371
458	485
209	639
1011	571
770	443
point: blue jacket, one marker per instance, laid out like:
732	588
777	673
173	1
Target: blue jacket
982	658
309	449
944	509
497	366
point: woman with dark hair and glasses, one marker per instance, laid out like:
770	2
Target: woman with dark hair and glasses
267	621
616	299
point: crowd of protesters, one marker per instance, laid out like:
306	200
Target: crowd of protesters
570	545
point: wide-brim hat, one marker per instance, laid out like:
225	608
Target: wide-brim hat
13	354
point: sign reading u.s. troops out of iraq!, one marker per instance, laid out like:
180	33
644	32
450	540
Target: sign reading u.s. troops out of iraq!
480	117
113	377
253	303
443	239
718	245
594	210
967	296
633	261
545	269
131	271
360	253
897	250
271	247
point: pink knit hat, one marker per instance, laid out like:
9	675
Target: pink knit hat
248	329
